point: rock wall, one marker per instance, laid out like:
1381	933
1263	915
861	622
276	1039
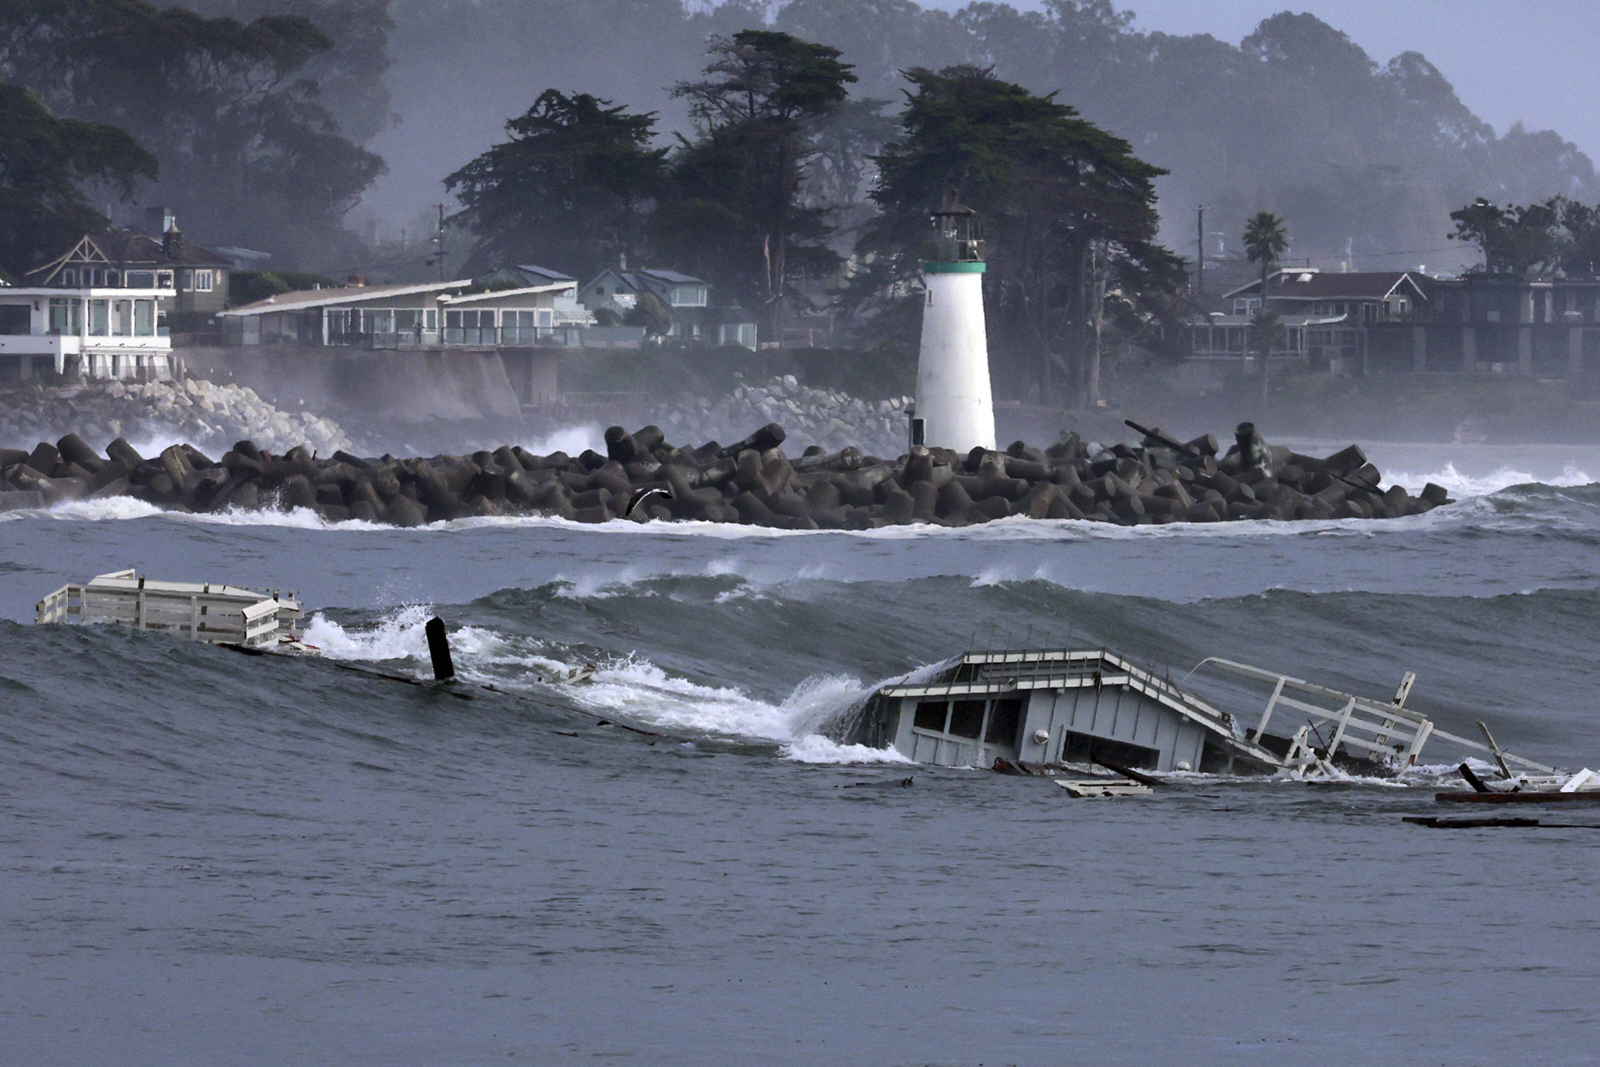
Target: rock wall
826	418
211	415
643	476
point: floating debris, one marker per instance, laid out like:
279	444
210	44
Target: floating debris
199	611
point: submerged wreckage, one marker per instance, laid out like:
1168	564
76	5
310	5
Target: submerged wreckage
1050	711
200	611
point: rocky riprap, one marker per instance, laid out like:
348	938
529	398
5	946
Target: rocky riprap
828	418
211	414
1157	481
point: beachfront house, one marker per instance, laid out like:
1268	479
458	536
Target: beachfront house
693	320
99	329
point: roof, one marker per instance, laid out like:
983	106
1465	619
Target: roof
500	294
305	299
1329	285
671	277
544	272
125	248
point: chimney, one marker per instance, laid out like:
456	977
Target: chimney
171	239
622	262
158	220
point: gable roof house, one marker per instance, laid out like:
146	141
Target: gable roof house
197	276
687	300
1345	323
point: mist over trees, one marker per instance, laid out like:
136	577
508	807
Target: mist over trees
247	150
45	162
1065	207
273	119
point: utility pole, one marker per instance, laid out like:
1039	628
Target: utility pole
438	244
1200	253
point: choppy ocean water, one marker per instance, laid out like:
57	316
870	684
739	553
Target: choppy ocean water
208	858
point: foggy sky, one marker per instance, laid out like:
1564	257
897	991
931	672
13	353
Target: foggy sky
1510	60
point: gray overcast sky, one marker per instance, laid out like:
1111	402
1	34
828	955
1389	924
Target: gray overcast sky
1533	60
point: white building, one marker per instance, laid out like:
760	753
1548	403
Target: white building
955	405
99	332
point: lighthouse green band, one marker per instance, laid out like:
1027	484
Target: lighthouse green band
949	267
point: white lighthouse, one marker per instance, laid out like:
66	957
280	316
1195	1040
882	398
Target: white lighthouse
955	408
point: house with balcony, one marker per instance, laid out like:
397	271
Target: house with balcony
519	318
694	321
1353	322
96	330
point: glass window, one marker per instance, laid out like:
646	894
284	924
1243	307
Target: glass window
930	715
144	318
186	279
122	318
111	279
141	279
69	278
99	316
60	312
1003	720
163	279
202	281
966	718
15	319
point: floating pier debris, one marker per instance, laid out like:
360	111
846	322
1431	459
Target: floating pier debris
200	611
1043	711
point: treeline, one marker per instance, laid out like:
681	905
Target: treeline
758	201
1362	157
232	124
269	116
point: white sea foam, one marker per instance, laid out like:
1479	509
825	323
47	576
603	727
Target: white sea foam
628	688
572	440
1459	484
814	748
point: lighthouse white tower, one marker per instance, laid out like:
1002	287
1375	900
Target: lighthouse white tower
955	408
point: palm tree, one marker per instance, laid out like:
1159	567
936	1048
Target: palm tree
1265	239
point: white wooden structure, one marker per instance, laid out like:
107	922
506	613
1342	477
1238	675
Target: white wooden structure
1083	707
1342	724
219	614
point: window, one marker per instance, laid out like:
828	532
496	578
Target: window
186	279
1086	748
966	718
15	319
141	279
1004	718
144	318
122	318
99	316
930	715
203	280
163	279
111	279
69	278
66	316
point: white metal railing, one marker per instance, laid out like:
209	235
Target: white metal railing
220	614
1372	729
